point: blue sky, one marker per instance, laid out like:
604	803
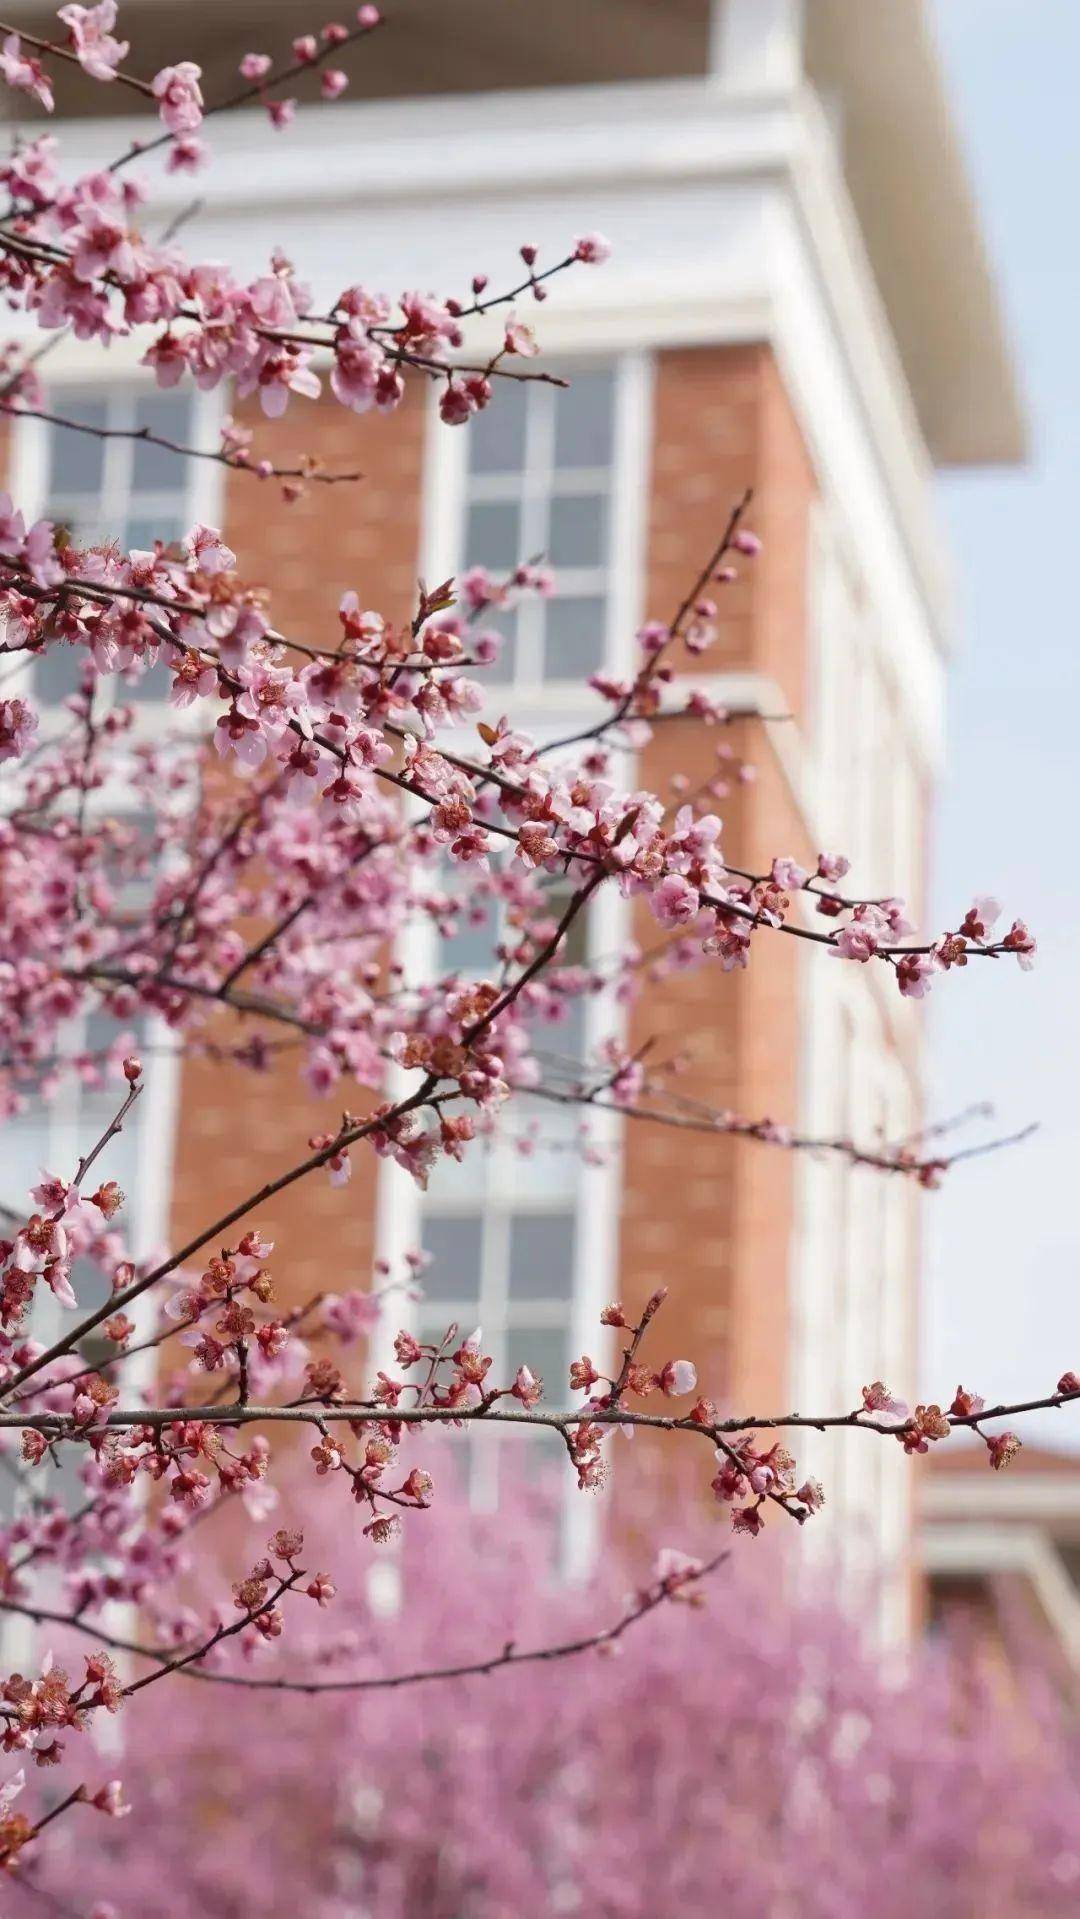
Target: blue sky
1004	1241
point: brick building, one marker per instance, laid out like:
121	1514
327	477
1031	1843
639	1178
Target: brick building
798	302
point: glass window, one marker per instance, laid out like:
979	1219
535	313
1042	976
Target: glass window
504	1230
539	484
116	488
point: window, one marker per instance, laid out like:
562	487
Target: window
122	489
510	1230
502	1227
51	1135
539	484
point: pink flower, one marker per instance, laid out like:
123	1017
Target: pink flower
97	52
1003	1448
527	1387
679	1376
832	866
24	73
179	97
592	249
746	542
860	938
914	974
980	918
675	902
333	83
789	875
18	725
350	1316
207	550
255	66
672	1568
520	338
878	1399
456	405
187	154
1019	941
966	1405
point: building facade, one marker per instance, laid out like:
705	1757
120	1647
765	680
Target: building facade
797	303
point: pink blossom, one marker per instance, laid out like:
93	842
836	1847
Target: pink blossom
96	49
915	973
24	73
255	66
179	97
1002	1448
18	727
208	551
980	918
1019	941
678	1376
520	338
592	248
789	875
675	902
187	154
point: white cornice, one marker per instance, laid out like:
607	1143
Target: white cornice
730	213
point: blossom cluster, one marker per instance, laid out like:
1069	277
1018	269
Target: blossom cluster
311	794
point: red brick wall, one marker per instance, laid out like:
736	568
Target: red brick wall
308	553
710	1217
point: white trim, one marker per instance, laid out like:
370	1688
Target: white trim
684	174
597	1189
963	1551
1054	1497
756	45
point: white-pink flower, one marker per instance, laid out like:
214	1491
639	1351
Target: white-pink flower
179	97
592	249
679	1376
24	73
98	52
675	902
206	548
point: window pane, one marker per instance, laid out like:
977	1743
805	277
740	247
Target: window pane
431	1330
75	459
493	538
471	949
542	1256
584	420
154	468
497	435
454	1241
574	948
57	672
503	620
140	533
154	684
543	1349
577	532
574	638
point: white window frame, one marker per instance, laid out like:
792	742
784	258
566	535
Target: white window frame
29	488
626	483
156	1112
550	705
